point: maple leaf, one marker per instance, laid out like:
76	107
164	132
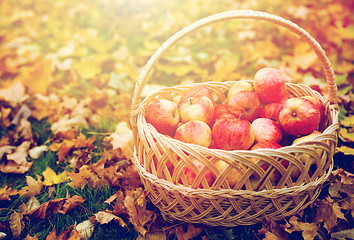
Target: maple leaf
135	203
51	178
309	230
6	192
328	212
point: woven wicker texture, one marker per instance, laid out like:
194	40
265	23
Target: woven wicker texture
161	160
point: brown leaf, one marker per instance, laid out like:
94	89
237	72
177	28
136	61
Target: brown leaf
135	203
105	217
47	209
271	236
153	236
71	203
28	237
192	232
16	224
309	230
52	235
20	154
328	212
34	187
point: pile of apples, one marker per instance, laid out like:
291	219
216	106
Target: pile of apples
255	115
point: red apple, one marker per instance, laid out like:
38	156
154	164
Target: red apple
299	116
232	134
238	87
319	104
233	176
266	129
271	111
199	108
219	110
269	85
163	115
191	174
196	132
245	105
196	91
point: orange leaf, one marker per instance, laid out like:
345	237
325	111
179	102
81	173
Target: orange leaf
71	203
6	192
47	209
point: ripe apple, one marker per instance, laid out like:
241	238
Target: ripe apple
219	110
319	104
299	116
269	85
191	175
266	129
197	108
245	105
163	115
305	157
238	87
271	111
233	176
196	132
232	134
197	91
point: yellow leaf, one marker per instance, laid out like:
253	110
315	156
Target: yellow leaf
87	68
346	150
346	135
37	77
85	229
348	121
105	217
51	178
15	93
34	187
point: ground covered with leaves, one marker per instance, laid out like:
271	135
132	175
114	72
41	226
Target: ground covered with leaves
67	72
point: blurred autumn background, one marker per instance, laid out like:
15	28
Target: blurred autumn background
67	73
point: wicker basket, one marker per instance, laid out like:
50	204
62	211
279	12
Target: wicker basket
252	199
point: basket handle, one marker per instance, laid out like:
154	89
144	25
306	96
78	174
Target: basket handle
242	14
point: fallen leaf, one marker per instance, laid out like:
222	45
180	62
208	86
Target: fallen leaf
191	232
85	229
153	236
6	192
13	167
309	230
37	152
32	204
122	139
345	234
105	217
328	212
346	150
28	237
51	178
2	235
16	224
15	93
135	203
20	154
34	187
71	203
271	236
46	209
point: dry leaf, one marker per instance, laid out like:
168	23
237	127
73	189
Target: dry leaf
270	236
13	167
6	192
46	209
37	152
309	230
15	93
85	229
328	212
20	154
34	187
122	139
105	217
71	203
51	178
32	204
16	224
2	235
28	237
153	236
192	232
